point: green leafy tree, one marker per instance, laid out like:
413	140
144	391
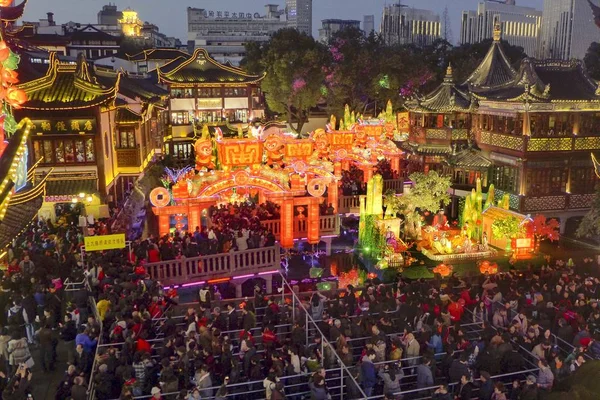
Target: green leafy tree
592	60
429	193
293	85
590	225
354	64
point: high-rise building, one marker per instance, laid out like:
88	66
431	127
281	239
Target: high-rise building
299	15
331	26
109	15
521	26
368	24
223	34
401	24
568	29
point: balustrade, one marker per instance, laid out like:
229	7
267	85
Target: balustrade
215	266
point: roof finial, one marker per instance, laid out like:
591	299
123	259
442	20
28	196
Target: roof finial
497	31
449	70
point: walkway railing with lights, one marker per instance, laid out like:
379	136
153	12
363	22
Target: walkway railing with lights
193	271
329	225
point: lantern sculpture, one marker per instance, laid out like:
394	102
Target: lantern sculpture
444	270
490	268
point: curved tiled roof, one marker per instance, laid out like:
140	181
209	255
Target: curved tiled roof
127	116
67	86
495	70
11	14
445	98
200	68
567	80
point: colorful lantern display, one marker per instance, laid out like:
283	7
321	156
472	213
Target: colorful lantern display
487	267
444	270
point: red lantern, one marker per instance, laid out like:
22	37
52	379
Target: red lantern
486	267
443	269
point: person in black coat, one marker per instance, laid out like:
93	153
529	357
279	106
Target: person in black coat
459	368
465	390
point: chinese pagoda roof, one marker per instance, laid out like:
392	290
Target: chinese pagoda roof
567	80
125	115
67	87
445	98
547	81
157	55
200	68
470	158
133	86
11	14
495	70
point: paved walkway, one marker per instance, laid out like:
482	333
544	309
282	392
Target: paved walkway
45	383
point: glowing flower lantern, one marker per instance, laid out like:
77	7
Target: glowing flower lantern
490	268
444	270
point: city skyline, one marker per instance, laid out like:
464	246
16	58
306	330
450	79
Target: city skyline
173	23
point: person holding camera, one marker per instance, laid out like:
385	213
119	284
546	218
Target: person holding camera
18	386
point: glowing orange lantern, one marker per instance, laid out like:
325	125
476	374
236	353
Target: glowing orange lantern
443	269
287	223
486	267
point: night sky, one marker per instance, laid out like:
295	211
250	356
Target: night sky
170	15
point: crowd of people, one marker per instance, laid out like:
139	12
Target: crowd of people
441	338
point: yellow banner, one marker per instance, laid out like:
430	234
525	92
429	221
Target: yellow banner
105	242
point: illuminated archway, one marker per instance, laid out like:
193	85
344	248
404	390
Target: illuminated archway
245	180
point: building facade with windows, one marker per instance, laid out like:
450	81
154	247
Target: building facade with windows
331	26
223	34
521	26
401	24
299	15
205	92
535	125
94	130
568	29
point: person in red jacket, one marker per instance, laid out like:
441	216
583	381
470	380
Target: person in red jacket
456	310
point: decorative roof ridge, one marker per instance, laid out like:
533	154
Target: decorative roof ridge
11	14
205	54
46	80
495	47
573	64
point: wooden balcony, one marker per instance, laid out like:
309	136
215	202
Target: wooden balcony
557	202
439	135
128	158
523	144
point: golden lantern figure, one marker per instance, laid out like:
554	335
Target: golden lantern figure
444	270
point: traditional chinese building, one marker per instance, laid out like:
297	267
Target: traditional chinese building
95	130
537	125
440	123
203	91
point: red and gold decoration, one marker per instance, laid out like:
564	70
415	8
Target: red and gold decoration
488	268
445	270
